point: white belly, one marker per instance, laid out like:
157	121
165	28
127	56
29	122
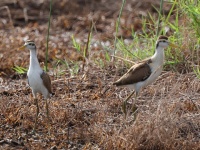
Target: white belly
36	83
156	71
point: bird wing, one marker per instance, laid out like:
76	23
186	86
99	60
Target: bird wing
136	73
46	81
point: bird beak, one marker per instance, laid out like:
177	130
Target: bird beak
22	48
173	45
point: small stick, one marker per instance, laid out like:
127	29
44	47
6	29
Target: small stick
123	59
9	14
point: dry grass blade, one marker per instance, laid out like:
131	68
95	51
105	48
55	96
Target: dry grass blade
85	110
9	14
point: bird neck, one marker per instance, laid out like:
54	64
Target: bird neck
34	63
159	55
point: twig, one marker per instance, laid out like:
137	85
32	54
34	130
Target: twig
25	15
9	14
63	79
86	51
117	28
46	58
197	107
123	59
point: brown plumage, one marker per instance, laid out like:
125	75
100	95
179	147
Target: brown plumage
46	81
38	80
137	73
162	37
146	72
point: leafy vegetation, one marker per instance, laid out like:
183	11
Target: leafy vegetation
20	70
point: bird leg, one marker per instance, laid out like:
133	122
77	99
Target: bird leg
47	112
125	103
37	112
134	107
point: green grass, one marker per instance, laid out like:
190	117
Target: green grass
185	33
143	44
47	42
117	26
76	45
20	70
192	10
60	67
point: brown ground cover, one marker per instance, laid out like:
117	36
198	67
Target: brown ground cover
85	109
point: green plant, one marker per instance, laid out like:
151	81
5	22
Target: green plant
47	42
143	45
61	66
192	9
20	70
83	51
117	26
76	45
74	69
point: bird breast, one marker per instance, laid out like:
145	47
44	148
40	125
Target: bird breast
156	70
35	81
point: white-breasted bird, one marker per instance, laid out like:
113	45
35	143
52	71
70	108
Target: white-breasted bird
38	80
145	72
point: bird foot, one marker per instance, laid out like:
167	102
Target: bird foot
133	110
124	109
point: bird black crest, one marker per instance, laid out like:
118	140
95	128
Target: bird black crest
29	41
162	37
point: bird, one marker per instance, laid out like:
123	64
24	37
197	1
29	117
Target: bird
144	72
38	80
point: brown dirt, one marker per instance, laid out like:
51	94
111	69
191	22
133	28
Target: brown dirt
86	109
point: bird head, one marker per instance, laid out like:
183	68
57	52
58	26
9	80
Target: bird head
164	43
29	45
